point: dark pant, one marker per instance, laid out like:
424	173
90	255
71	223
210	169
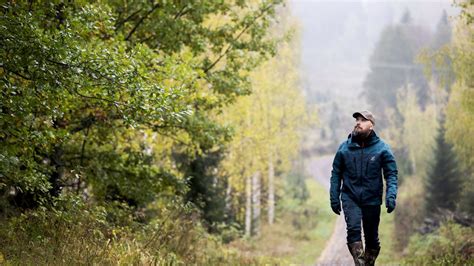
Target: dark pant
370	217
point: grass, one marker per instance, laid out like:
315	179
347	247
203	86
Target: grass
393	237
388	255
320	234
81	235
299	235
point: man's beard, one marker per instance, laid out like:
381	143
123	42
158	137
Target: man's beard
360	134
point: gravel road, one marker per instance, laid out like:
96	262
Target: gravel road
335	252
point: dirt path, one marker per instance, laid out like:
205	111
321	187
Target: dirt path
335	252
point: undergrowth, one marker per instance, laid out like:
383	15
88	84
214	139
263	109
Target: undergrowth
74	233
450	244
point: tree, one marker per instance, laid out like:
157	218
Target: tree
451	68
206	189
444	181
441	71
443	32
392	66
78	80
267	134
460	108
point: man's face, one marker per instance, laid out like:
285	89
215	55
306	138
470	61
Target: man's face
362	126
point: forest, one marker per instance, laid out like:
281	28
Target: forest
176	132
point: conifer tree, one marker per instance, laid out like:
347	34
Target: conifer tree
393	66
444	181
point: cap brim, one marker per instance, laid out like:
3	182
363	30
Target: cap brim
356	114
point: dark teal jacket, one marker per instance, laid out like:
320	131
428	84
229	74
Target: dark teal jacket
359	169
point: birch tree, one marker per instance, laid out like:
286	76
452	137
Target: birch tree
267	127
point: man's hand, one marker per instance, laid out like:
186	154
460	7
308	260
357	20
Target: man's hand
390	204
336	208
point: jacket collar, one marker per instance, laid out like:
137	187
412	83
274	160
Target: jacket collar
371	140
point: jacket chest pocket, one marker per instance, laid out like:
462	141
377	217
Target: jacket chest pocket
373	165
350	164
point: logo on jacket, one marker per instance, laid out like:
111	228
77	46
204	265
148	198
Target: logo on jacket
372	159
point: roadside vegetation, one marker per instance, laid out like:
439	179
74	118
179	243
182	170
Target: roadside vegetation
170	132
300	233
144	132
427	112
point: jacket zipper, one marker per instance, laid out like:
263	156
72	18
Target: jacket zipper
361	159
360	175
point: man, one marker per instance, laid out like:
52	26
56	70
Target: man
358	165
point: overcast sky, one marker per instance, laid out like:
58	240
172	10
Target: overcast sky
337	38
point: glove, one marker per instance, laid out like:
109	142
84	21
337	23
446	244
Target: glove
390	204
336	208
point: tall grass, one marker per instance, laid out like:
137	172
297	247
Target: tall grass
81	234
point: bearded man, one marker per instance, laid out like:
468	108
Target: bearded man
356	182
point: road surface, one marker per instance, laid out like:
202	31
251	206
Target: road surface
335	252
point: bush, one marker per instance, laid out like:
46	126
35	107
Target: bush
451	244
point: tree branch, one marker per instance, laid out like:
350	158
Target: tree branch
141	21
238	36
181	13
16	73
83	148
119	24
94	97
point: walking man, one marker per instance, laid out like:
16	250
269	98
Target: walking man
358	166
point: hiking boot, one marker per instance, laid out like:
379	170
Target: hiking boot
357	251
371	255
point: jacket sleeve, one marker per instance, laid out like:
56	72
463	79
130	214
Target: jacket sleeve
390	173
336	178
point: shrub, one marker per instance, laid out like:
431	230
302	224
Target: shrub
451	244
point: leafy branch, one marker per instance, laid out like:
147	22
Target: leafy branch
230	46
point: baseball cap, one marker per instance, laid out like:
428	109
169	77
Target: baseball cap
365	114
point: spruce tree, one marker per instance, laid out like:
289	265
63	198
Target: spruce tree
393	66
444	180
442	66
443	32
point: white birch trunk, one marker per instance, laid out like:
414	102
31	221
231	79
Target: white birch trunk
248	206
228	199
271	190
256	203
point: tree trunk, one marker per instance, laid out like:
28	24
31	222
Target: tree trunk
228	201
58	171
271	190
256	203
248	206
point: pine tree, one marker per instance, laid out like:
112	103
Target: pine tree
393	66
443	32
442	65
444	181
